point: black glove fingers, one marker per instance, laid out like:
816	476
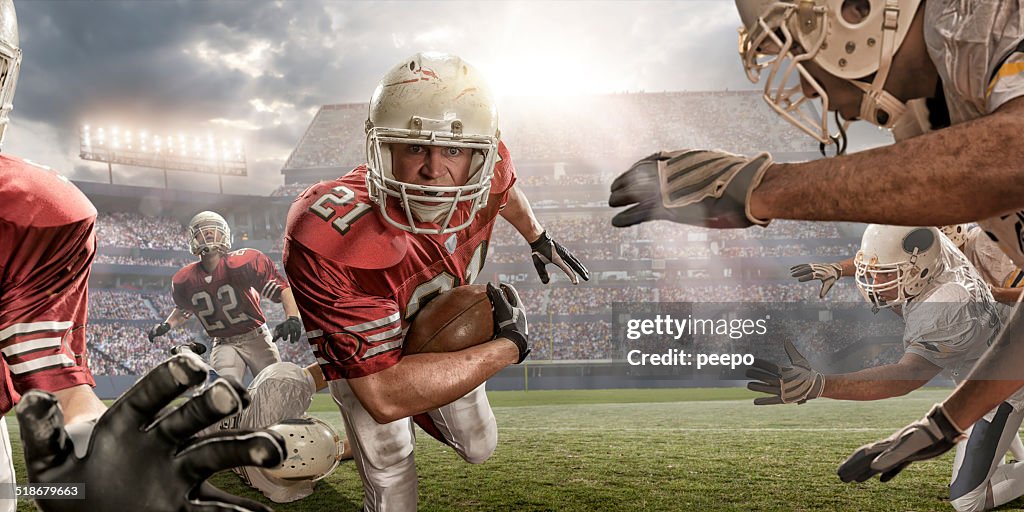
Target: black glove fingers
576	266
889	475
221	399
641	212
768	400
511	294
207	498
232	448
155	390
857	467
767	366
41	422
541	266
498	300
795	356
764	376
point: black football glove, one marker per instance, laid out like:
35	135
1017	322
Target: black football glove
509	317
796	383
137	458
546	251
290	329
710	189
158	330
923	439
196	348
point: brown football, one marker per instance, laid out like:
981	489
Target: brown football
457	319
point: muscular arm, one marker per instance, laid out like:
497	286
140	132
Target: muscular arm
79	404
849	269
288	303
934	175
518	213
1006	295
422	382
995	377
911	372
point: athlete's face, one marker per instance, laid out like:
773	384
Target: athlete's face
431	165
882	278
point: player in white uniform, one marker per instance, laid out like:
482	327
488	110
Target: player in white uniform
950	320
865	59
279	397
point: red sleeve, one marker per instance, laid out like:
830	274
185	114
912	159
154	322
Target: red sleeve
179	292
263	274
504	171
353	334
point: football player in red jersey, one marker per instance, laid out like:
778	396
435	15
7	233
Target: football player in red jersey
68	434
223	289
366	251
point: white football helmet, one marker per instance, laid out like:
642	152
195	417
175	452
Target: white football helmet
314	449
957	233
780	35
431	99
10	62
898	261
208	231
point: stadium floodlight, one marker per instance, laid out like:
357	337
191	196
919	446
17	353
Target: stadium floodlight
168	152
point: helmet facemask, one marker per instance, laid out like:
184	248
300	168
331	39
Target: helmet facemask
897	263
859	52
429	204
209	232
435	100
771	46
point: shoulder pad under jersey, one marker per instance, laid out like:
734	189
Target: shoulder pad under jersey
337	221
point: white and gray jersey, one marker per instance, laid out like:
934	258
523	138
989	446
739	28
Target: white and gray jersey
955	319
282	391
994	267
976	46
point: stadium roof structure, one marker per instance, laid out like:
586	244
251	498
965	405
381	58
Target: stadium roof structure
584	135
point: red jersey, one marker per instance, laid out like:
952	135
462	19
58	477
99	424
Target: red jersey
358	280
47	245
227	300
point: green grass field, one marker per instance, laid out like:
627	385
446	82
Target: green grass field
679	449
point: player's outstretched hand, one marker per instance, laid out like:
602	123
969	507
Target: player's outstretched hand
509	317
924	439
158	330
290	329
139	459
703	188
827	273
796	383
547	251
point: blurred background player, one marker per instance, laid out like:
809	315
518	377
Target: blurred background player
47	229
951	318
1003	277
223	290
366	251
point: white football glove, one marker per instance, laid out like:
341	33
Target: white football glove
791	384
704	188
827	273
924	439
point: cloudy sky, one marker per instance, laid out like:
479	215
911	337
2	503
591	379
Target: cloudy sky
258	70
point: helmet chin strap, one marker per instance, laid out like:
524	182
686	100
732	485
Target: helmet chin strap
878	106
839	140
